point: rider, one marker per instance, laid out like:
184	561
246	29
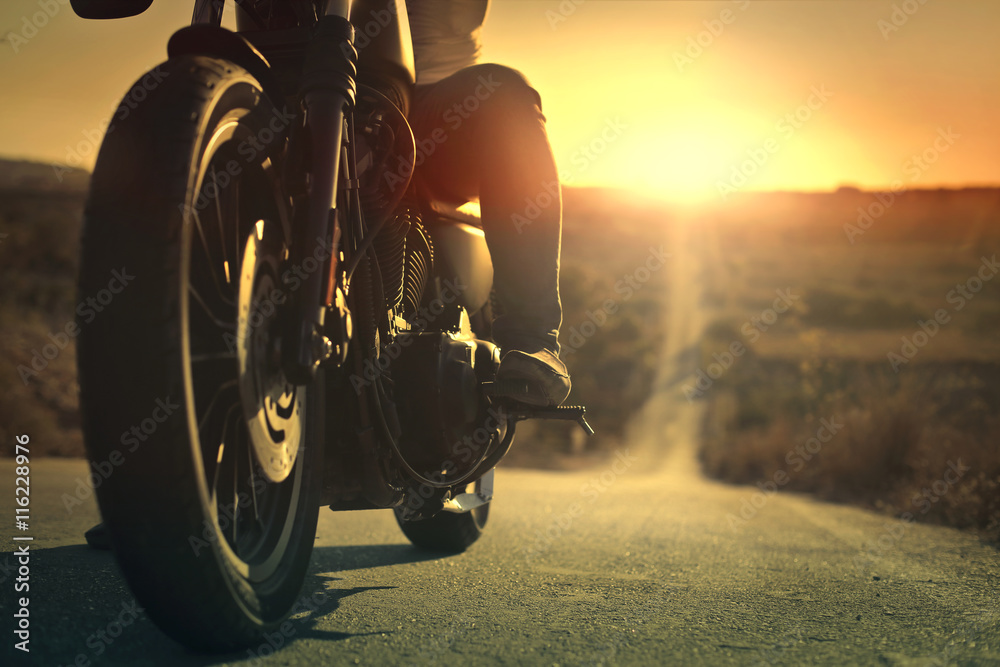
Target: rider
496	149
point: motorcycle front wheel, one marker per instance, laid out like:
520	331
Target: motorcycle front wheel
213	458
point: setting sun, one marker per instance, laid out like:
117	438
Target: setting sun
687	162
695	115
683	160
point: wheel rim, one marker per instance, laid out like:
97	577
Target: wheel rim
246	452
272	406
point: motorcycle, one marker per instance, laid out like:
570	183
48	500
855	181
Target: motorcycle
302	326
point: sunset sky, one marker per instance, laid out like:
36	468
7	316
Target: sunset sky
638	94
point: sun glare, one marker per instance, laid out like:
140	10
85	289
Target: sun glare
683	165
679	159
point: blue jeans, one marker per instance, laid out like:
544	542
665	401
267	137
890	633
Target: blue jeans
482	135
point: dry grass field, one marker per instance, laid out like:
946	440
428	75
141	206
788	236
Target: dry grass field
880	383
39	246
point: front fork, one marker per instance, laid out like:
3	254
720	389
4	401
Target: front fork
328	93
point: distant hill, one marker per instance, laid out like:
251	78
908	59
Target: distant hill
25	176
880	217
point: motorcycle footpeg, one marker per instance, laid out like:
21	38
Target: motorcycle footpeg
575	413
509	390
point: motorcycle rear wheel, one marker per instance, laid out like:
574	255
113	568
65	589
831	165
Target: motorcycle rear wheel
446	532
212	498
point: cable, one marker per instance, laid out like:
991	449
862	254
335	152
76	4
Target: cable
406	466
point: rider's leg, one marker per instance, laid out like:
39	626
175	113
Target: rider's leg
482	133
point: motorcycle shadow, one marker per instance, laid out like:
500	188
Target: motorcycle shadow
82	612
343	559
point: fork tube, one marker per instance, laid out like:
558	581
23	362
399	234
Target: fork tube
339	8
328	92
207	11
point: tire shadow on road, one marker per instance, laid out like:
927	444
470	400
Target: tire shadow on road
83	613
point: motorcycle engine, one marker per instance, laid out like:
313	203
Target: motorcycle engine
447	425
423	360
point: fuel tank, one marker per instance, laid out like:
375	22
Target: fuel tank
461	261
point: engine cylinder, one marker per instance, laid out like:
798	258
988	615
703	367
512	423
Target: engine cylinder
405	258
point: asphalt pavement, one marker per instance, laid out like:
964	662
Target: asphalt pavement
638	561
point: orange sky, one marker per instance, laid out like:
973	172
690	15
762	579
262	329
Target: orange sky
630	101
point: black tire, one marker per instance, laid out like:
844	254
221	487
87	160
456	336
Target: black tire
212	541
446	532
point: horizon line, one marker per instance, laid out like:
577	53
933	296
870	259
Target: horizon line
646	192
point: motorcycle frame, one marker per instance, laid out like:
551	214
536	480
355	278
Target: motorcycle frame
361	472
